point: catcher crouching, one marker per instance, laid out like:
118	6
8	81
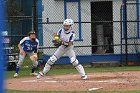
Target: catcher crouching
64	39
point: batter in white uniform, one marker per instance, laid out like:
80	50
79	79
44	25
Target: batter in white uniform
67	37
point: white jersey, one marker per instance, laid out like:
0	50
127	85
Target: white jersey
66	37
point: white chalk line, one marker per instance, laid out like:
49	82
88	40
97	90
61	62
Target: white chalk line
54	81
73	81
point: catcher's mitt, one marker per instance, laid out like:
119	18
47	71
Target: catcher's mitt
57	42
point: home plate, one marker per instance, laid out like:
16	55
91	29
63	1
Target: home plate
92	89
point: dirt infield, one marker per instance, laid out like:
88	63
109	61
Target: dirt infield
107	81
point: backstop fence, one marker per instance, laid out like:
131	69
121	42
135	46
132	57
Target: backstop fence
106	30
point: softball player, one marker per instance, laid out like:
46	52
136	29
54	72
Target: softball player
67	37
28	45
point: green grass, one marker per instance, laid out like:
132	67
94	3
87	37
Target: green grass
14	91
60	71
67	69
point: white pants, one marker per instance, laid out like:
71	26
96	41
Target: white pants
62	50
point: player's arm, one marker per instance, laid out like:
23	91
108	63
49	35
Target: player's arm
71	40
67	44
35	56
58	33
20	46
55	34
20	49
70	43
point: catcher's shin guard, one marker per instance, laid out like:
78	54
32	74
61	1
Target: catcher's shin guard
50	62
46	68
80	69
78	66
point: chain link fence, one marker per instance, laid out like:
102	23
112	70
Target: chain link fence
18	24
132	27
90	28
99	27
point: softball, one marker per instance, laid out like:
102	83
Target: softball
56	38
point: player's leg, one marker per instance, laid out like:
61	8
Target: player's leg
59	52
76	64
20	61
34	58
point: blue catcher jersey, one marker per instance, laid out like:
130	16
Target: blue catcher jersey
28	45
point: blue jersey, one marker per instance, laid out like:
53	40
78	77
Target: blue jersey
28	45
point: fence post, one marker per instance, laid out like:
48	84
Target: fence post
34	16
125	29
121	28
138	19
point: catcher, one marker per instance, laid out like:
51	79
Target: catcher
28	45
64	39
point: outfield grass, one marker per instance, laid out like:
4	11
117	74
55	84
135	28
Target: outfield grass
60	71
67	69
14	91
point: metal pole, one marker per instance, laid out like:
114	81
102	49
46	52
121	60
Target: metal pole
138	19
121	63
125	30
34	20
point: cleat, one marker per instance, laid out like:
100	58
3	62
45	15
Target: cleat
39	75
84	77
34	74
15	75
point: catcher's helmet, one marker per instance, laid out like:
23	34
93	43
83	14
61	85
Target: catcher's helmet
31	32
68	22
